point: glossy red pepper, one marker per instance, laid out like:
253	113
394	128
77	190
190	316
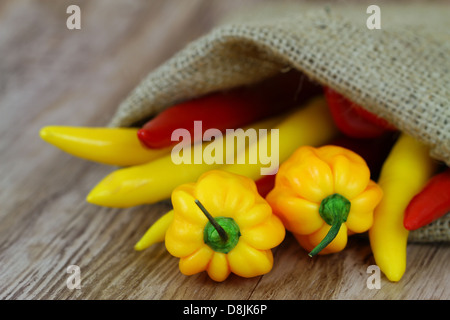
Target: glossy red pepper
353	120
265	184
231	109
430	204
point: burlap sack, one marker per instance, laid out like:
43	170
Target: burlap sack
400	72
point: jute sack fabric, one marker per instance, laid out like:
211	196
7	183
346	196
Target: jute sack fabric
400	72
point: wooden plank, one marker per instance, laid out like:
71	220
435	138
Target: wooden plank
52	75
344	275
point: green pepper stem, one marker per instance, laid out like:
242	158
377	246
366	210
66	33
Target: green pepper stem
334	209
332	233
222	233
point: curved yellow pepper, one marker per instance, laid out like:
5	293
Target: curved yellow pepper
221	200
154	181
310	124
112	146
404	173
156	233
324	194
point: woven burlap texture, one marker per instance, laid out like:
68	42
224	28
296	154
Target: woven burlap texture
400	72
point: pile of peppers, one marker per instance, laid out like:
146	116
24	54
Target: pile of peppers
343	171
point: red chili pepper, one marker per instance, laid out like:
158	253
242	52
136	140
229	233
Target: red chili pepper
353	120
429	204
265	184
232	109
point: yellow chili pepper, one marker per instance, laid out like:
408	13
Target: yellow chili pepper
156	233
405	171
112	146
221	224
311	125
154	181
324	194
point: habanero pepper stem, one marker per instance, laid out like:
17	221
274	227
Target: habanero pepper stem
334	211
222	233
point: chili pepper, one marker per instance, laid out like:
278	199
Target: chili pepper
431	203
310	125
155	181
404	173
353	120
324	194
230	109
265	184
112	146
221	225
156	233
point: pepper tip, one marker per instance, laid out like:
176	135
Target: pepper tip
44	133
98	198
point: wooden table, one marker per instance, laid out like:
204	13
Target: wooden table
50	75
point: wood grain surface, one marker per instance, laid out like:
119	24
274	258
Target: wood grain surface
50	75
